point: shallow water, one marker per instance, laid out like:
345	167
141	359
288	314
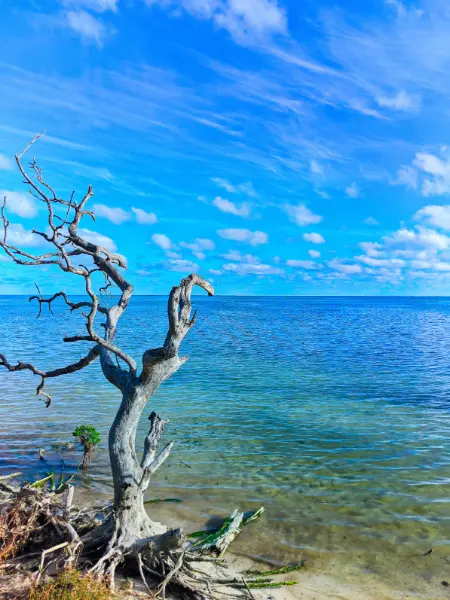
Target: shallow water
331	412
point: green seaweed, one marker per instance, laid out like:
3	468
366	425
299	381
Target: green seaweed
202	533
41	482
213	534
210	539
278	584
279	571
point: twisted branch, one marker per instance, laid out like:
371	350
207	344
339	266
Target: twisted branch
72	368
66	243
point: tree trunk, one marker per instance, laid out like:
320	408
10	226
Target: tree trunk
128	475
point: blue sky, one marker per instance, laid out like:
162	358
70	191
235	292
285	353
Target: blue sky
273	146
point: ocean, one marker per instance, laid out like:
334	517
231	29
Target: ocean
332	412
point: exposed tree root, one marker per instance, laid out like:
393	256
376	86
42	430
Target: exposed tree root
42	532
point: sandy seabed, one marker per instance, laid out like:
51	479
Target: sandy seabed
325	576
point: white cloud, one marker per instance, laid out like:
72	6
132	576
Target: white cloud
381	262
161	240
371	221
236	256
255	238
183	266
89	28
428	172
144	218
371	248
198	247
401	101
418	239
252	269
301	214
241	18
241	188
314	254
314	238
19	204
437	174
303	264
407	176
215	271
98	239
316	167
20	237
115	215
438	216
95	5
230	207
353	190
6	164
347	269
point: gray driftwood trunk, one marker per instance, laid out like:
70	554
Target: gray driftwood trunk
132	468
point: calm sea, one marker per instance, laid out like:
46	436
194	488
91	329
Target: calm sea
334	413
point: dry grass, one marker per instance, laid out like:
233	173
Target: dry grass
71	585
17	522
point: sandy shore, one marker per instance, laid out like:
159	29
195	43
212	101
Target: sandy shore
322	577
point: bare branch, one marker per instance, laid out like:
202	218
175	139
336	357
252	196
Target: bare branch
179	311
72	305
151	441
160	363
72	368
67	244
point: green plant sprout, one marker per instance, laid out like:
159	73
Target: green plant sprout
89	438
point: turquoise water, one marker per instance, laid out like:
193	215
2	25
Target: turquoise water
334	413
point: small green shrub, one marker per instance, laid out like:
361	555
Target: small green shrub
89	438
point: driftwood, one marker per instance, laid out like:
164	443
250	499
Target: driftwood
127	535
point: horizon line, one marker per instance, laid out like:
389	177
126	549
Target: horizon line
262	295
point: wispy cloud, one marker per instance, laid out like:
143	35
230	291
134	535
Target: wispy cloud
143	217
226	206
301	215
314	238
240	188
99	239
19	204
162	240
95	5
21	237
401	101
342	267
243	19
88	27
252	268
353	190
115	215
199	246
303	264
429	172
182	266
254	238
6	163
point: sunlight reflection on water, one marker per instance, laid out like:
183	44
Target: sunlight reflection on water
332	412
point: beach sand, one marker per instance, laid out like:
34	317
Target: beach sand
318	580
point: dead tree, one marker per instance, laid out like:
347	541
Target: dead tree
130	529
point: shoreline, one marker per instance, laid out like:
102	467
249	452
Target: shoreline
317	580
